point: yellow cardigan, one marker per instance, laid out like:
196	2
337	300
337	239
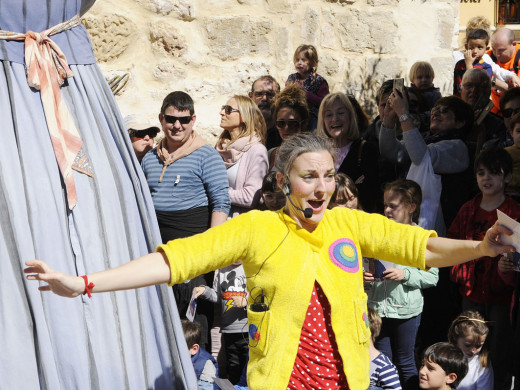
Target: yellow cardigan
284	261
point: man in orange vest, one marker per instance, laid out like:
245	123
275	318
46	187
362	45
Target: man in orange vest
505	54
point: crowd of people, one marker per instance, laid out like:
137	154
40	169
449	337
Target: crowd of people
292	282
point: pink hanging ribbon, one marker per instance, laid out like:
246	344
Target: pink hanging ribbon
47	69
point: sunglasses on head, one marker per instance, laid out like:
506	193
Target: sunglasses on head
228	109
508	112
292	124
183	120
143	133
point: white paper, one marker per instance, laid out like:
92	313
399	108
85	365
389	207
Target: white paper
513	239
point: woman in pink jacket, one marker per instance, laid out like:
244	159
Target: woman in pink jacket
242	149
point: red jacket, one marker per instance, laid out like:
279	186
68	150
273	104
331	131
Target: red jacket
479	280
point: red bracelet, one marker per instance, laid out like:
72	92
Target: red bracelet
88	286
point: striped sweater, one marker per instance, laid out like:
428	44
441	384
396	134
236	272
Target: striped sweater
197	180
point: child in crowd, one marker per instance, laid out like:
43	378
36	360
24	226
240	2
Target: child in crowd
383	373
513	187
469	332
272	195
479	282
476	46
443	367
346	193
229	290
316	88
421	78
398	298
204	364
501	74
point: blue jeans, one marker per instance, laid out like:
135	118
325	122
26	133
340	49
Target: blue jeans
397	341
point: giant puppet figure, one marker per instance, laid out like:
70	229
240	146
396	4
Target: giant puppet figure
71	191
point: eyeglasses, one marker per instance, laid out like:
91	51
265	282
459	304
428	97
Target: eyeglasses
292	124
440	110
508	112
183	120
267	94
143	133
228	109
469	85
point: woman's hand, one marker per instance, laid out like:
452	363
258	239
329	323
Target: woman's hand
368	277
399	102
396	274
59	283
491	245
389	117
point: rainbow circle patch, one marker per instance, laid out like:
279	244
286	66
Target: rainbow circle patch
343	253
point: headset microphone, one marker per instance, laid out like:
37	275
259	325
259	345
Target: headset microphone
286	189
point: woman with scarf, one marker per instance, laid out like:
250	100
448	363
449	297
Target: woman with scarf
241	146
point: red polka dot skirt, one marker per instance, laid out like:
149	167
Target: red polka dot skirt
318	364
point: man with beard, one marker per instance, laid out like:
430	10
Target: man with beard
489	129
263	91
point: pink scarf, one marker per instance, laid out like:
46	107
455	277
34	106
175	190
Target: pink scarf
193	142
231	152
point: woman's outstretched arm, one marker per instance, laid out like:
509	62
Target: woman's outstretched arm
445	252
145	271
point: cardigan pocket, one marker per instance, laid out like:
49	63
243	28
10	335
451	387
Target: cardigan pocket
360	310
258	330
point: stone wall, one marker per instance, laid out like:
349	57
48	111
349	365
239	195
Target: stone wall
213	49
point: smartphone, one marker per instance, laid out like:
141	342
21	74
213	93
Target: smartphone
399	85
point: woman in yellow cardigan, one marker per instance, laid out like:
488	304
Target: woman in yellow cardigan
307	309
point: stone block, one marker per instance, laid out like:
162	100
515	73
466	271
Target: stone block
328	65
380	3
279	6
167	70
111	35
310	26
183	9
281	44
382	68
373	30
341	1
231	38
165	39
383	31
328	30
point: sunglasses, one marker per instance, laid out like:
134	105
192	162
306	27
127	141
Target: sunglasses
508	112
183	120
267	94
228	109
440	110
143	133
292	124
